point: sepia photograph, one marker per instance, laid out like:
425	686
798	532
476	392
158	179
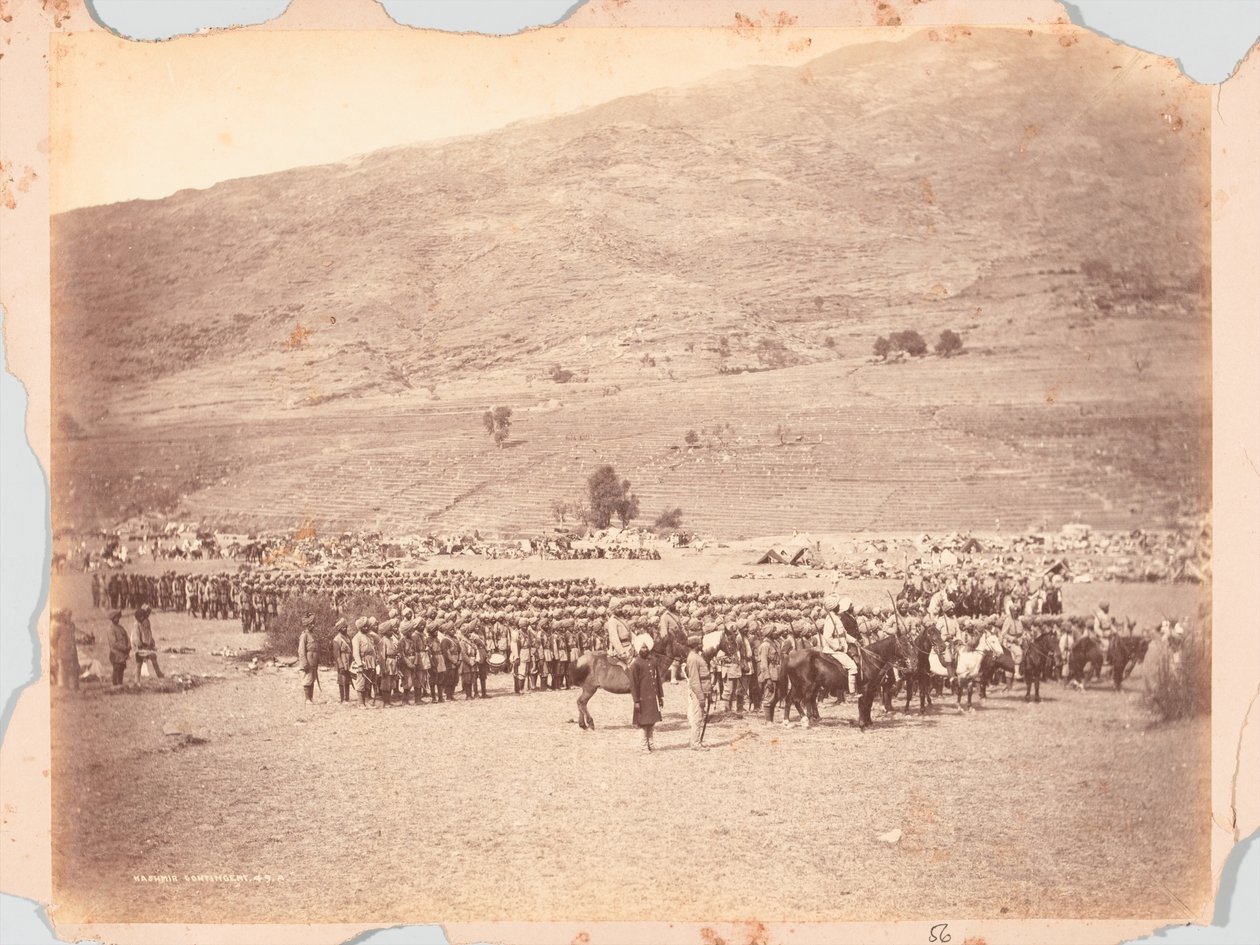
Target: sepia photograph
757	473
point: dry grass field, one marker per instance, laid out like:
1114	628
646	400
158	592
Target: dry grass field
503	808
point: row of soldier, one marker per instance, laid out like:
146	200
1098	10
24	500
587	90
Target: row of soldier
255	601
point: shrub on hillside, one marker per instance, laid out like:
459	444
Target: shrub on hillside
560	374
909	341
773	353
883	347
282	636
669	519
950	342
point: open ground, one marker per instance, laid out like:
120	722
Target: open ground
503	808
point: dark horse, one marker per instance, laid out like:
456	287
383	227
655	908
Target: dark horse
990	664
919	678
1039	660
810	671
1126	653
597	670
1086	658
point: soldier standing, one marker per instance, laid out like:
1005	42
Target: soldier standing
481	665
437	671
450	655
699	689
258	606
308	656
671	629
407	660
515	634
769	671
342	657
388	659
96	589
362	660
467	656
423	662
119	648
145	644
246	608
271	596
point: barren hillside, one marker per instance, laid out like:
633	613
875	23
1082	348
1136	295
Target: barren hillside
1047	201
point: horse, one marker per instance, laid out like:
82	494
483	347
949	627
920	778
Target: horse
597	670
966	673
1039	660
1003	661
1086	654
873	662
808	671
1126	653
920	675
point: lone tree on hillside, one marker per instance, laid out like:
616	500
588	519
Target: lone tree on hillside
883	347
610	496
498	422
950	342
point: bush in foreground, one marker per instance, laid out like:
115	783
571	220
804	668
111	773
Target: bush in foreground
282	636
1179	682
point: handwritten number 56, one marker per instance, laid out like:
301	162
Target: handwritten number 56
939	933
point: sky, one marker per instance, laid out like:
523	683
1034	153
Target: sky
148	119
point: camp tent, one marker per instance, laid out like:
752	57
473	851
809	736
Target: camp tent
782	555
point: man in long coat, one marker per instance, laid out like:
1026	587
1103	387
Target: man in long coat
649	697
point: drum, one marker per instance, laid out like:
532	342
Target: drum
498	663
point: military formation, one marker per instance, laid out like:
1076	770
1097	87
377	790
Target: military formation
397	636
254	599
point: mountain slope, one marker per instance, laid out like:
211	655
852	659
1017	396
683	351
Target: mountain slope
1044	195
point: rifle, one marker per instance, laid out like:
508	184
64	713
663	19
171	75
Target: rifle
896	612
708	704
